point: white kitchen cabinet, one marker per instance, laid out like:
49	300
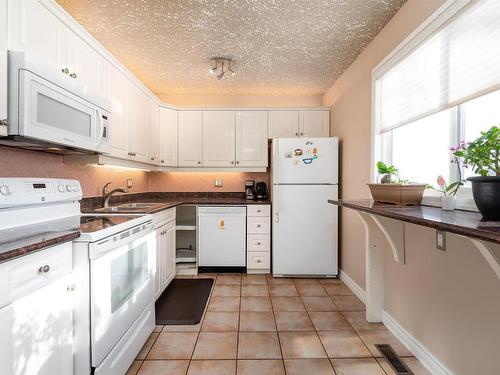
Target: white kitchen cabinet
218	139
258	238
168	137
33	29
164	223
314	124
251	139
139	143
283	124
190	141
3	62
117	90
84	64
154	132
36	313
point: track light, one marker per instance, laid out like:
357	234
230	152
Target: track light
222	70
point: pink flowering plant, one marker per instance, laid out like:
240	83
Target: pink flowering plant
444	188
482	154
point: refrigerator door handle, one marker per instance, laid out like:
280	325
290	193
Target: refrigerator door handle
276	206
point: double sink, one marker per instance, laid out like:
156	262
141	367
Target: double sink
129	207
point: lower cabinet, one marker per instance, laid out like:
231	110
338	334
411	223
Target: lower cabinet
36	313
165	250
258	239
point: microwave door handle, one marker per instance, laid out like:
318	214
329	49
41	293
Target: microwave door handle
101	127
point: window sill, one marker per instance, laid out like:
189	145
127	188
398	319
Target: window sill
462	203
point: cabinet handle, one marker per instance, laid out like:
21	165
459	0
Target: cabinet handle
258	243
73	75
237	162
259	211
44	269
232	162
258	225
65	70
296	134
71	288
199	162
163	161
152	158
259	261
301	133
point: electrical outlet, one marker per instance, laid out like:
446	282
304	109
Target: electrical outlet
130	183
441	240
218	182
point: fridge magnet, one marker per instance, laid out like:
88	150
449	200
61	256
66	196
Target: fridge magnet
307	160
309	143
289	155
315	150
298	152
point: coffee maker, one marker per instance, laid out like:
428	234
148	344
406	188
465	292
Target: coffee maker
250	189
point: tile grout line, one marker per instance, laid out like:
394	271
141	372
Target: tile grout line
276	325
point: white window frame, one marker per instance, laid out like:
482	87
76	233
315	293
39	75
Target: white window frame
382	144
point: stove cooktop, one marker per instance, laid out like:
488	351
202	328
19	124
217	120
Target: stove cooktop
89	224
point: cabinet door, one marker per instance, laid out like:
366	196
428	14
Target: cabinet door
140	126
84	64
314	124
168	137
3	61
117	90
159	274
37	332
218	139
283	124
35	30
251	139
169	254
189	144
154	132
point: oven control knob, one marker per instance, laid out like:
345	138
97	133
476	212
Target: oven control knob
68	188
4	190
61	188
76	188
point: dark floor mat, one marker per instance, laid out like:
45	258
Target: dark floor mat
183	302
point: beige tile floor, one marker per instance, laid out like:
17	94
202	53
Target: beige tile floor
260	325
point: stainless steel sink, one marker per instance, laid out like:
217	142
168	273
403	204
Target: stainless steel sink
137	205
128	207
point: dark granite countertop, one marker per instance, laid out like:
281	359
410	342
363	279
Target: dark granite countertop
465	223
163	201
21	241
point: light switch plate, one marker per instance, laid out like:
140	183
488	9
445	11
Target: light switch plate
218	182
441	240
130	183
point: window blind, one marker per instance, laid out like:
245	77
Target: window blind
458	61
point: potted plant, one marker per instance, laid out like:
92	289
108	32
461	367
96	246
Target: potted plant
385	172
448	191
395	190
483	155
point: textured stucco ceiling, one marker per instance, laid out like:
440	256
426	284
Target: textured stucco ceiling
280	47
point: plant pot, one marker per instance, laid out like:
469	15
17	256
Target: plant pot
448	203
486	192
400	194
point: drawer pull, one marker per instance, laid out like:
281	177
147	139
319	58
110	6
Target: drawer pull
44	269
258	225
71	288
258	243
259	261
259	211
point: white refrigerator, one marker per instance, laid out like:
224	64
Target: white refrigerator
305	225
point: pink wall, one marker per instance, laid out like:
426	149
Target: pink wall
20	163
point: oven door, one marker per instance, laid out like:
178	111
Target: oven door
50	113
122	285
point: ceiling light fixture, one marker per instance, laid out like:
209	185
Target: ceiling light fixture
221	66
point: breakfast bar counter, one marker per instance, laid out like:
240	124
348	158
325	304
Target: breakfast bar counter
390	220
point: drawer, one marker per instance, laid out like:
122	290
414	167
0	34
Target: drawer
258	242
163	217
25	275
258	225
258	260
259	210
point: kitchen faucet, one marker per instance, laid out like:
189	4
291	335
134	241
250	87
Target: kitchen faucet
107	195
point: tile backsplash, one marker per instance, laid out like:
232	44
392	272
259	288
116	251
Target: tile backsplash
21	163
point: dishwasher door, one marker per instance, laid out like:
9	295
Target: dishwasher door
222	236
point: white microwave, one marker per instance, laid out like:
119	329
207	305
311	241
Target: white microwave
51	111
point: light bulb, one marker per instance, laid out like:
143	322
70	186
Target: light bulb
212	70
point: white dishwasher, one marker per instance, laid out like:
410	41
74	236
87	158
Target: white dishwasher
222	236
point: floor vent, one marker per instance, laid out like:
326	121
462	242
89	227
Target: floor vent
397	364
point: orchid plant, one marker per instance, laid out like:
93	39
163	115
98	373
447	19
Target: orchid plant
444	188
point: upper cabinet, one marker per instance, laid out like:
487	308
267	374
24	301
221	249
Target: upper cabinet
168	137
139	145
154	133
283	124
35	30
251	139
190	142
306	123
314	124
117	90
218	139
3	62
